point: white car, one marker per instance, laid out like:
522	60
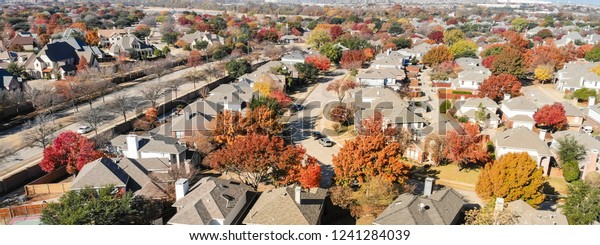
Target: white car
84	129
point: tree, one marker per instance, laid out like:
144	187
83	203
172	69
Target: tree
436	36
401	42
594	54
510	61
596	69
317	38
260	120
101	206
335	31
516	40
69	149
464	48
582	204
544	33
592	178
342	114
307	174
282	98
514	176
194	59
255	158
489	216
92	38
307	72
122	103
519	24
570	171
169	37
437	55
569	150
366	157
196	76
152	92
172	86
435	147
467	148
265	85
584	94
142	31
16	69
237	68
352	59
453	36
200	45
481	115
268	34
40	131
544	73
320	62
94	117
494	87
332	52
341	86
545	56
82	65
551	117
395	29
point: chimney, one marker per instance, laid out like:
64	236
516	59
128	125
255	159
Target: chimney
499	205
591	165
428	186
182	187
591	101
297	193
506	96
132	146
543	134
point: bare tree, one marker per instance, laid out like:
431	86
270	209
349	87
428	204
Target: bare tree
204	91
103	86
173	85
40	130
274	52
5	99
18	99
5	153
94	118
42	98
152	92
212	72
122	103
196	76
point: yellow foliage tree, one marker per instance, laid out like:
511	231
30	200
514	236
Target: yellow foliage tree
596	69
318	38
544	72
514	176
265	85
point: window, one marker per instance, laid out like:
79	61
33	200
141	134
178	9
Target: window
576	119
178	134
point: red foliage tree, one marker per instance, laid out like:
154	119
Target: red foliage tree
335	31
352	59
544	55
494	87
319	61
551	117
307	174
194	59
83	64
487	61
467	148
516	40
69	149
268	34
282	99
341	86
437	36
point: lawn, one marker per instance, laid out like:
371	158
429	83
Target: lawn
559	184
450	176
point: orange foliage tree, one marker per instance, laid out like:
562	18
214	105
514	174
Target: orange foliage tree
545	55
92	38
319	61
437	55
467	148
228	125
551	117
494	87
352	59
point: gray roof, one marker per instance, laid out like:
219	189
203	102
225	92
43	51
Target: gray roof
571	110
573	73
589	142
475	102
278	207
520	103
527	215
523	139
522	118
381	73
376	96
191	37
477	75
230	92
154	143
99	173
212	199
294	56
441	208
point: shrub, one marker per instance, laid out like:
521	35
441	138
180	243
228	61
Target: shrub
445	106
571	171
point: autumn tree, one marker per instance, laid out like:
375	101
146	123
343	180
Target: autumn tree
335	31
519	23
464	48
436	36
265	84
83	64
488	215
341	86
261	120
513	176
342	114
437	55
352	59
551	117
453	36
544	73
510	61
467	148
593	55
71	150
581	206
152	92
307	72
283	99
332	52
40	131
307	174
435	147
545	56
92	38
494	87
317	38
596	69
268	34
194	58
516	40
320	62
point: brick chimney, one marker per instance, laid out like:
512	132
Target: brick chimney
591	165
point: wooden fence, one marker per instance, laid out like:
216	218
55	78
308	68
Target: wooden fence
47	188
25	210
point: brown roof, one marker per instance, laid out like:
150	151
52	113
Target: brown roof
110	32
22	40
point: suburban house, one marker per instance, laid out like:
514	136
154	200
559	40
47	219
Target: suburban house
23	39
521	139
570	37
55	60
10	82
527	215
270	67
442	207
417	150
574	116
129	43
125	174
107	34
471	106
471	77
294	57
417	51
576	75
276	81
155	146
289	39
212	201
91	53
592	148
211	39
518	112
390	59
288	206
380	77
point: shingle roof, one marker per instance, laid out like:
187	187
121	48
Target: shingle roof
522	138
475	102
278	207
571	110
60	51
441	208
520	103
527	215
99	173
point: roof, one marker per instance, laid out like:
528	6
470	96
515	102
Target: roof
475	102
191	37
99	173
571	110
589	142
375	97
154	143
391	73
59	51
522	138
573	73
441	208
278	207
294	56
211	199
110	32
527	215
20	40
520	103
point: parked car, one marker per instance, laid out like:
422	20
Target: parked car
316	135
84	129
325	142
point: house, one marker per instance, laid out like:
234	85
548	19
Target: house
592	147
212	201
527	215
9	81
518	112
418	150
198	36
471	106
7	56
91	53
155	146
442	207
521	139
293	58
124	174
55	60
471	77
417	51
592	116
390	59
288	39
380	77
27	42
288	206
574	116
571	37
106	34
576	75
129	44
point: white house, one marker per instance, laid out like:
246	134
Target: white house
576	75
470	107
157	146
518	112
521	139
380	77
